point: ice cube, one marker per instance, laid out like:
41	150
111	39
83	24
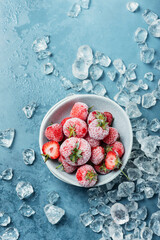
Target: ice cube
93	211
149	144
157	65
87	85
85	3
80	69
149	76
55	72
140	135
66	83
149	192
140	35
134	174
77	87
93	201
130	74
139	214
132	6
132	66
40	44
86	219
131	225
144	164
26	210
122	98
99	89
146	233
7	137
119	66
43	54
48	68
24	189
119	213
154	223
132	110
97	224
112	196
29	109
147	55
115	231
4	219
53	213
149	16
131	87
136	197
131	206
142	85
142	45
85	53
28	156
95	72
141	224
141	124
74	11
92	192
10	233
148	100
102	59
112	75
103	209
121	82
154	28
53	197
154	125
7	174
125	189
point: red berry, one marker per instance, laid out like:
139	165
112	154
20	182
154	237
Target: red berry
101	168
109	118
98	129
76	151
96	115
118	148
112	136
75	127
79	110
64	120
112	161
54	132
91	141
86	176
97	155
51	150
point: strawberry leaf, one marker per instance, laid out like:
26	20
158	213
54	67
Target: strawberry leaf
91	176
76	153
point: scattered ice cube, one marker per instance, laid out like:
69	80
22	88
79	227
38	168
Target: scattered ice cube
133	111
48	68
122	98
136	197
40	44
24	189
86	219
119	66
112	196
74	11
144	164
141	124
85	52
85	3
156	93
121	82
132	66
149	16
53	213
157	65
7	174
115	231
140	186
28	156
10	233
97	224
154	125
131	206
141	224
146	233
142	45
102	59
4	219
149	192
139	214
103	209
140	35
147	55
154	28
92	192
148	100
132	6
125	189
99	89
149	76
140	135
7	137
77	87
93	211
149	144
53	197
131	225
66	83
55	72
134	174
93	201
142	85
29	109
80	69
131	87
26	210
119	213
154	223
112	75
130	74
43	54
87	85
95	72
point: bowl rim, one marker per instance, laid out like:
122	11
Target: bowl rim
67	99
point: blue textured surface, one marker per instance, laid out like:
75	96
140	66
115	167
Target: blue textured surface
108	27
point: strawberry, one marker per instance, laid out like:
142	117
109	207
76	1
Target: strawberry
65	166
51	150
54	132
91	141
97	155
101	168
112	161
75	127
64	120
112	136
118	148
109	117
86	176
79	110
76	151
96	115
98	129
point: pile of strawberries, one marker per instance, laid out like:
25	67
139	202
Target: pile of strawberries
86	143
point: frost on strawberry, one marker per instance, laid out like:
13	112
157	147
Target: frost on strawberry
101	168
92	142
112	136
98	129
86	176
118	148
79	110
75	127
97	155
64	166
54	132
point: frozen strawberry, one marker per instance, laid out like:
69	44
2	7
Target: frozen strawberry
64	120
118	148
65	166
112	161
91	141
96	115
97	155
112	136
101	168
75	127
76	151
79	110
86	176
109	117
98	129
54	132
51	150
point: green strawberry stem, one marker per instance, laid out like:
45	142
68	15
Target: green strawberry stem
60	165
46	157
124	174
90	108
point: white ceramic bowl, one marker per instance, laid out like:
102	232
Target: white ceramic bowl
62	109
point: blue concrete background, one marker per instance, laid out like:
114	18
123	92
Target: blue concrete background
107	27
